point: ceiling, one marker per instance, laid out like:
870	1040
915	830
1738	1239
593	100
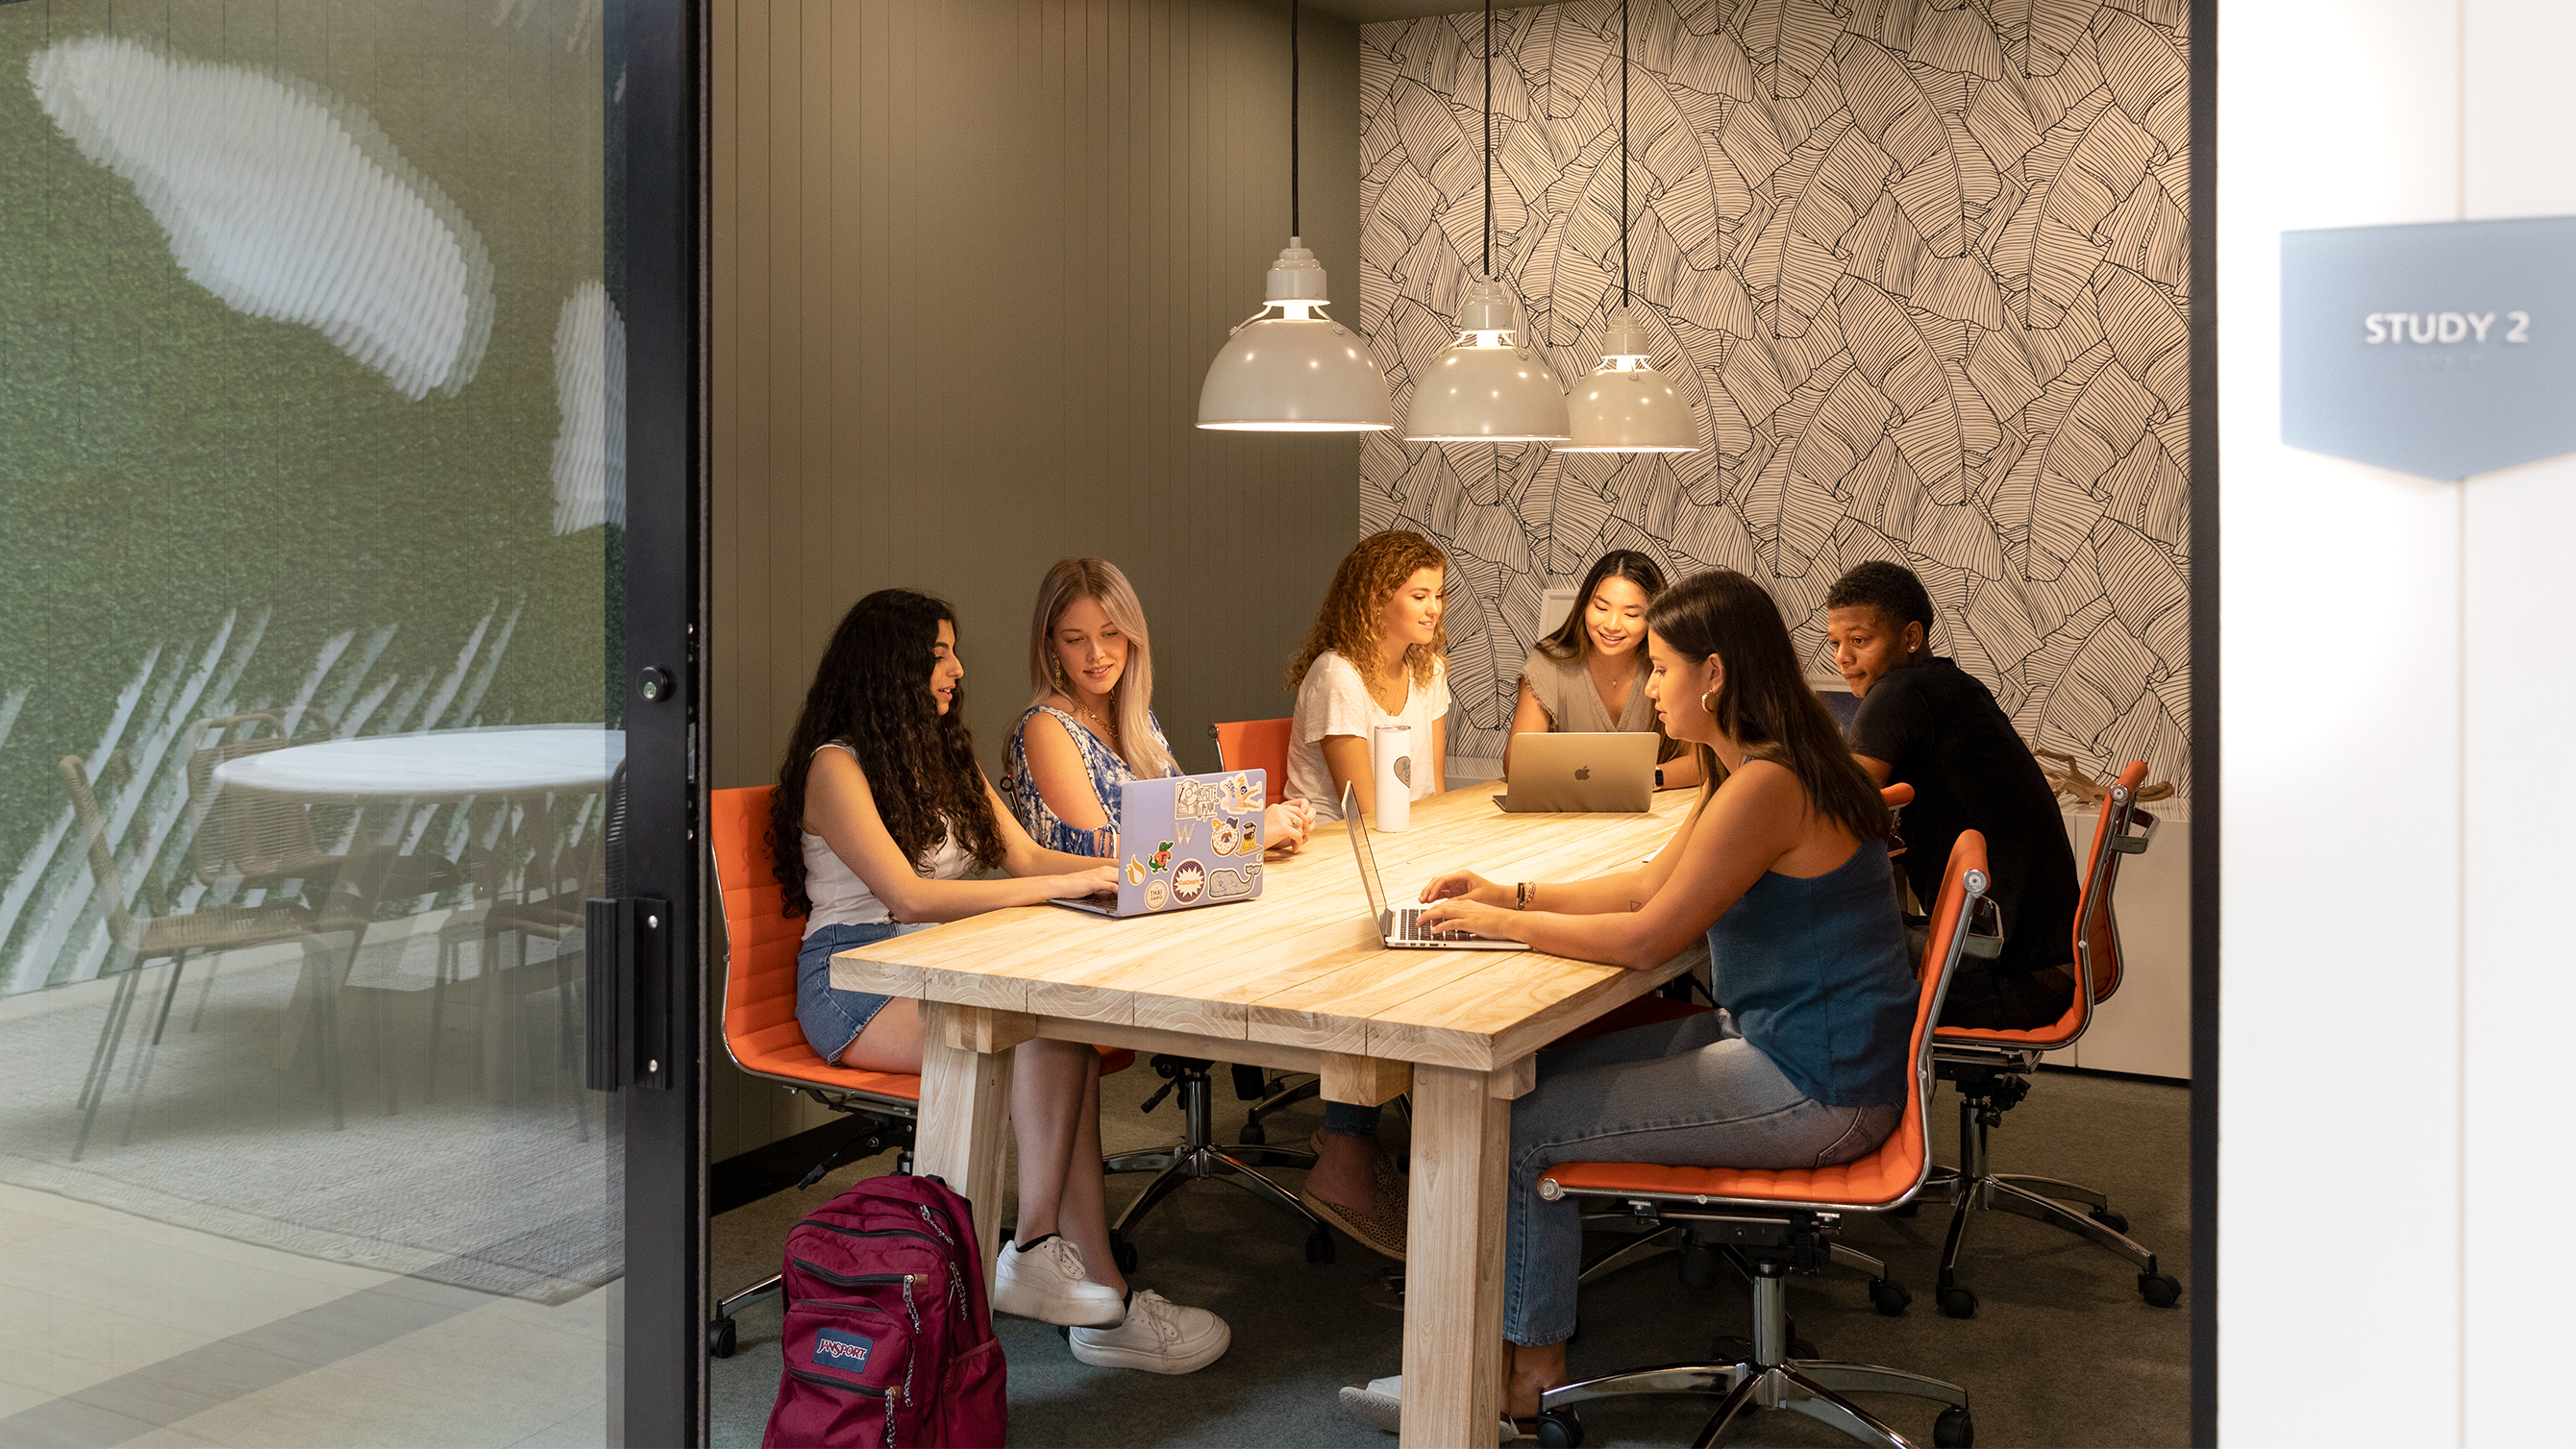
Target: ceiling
1368	11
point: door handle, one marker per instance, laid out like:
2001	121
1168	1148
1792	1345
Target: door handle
626	954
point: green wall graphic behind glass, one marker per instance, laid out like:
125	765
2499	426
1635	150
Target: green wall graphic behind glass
307	392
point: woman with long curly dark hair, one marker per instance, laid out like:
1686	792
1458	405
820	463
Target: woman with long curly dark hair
1374	657
1783	865
880	814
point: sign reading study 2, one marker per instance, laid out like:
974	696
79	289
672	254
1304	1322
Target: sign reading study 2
2442	350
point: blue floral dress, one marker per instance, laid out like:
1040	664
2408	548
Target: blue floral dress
1107	770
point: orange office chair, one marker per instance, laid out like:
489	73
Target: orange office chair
761	1033
1992	1070
1771	1222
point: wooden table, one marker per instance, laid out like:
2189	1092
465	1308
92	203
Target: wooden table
1299	981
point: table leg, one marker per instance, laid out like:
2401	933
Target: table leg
1453	1259
965	1110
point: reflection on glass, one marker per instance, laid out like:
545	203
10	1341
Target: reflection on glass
314	479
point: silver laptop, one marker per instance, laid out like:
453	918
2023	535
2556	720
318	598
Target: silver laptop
1185	841
1397	927
1604	772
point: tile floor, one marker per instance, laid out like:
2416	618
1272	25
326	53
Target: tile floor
115	1329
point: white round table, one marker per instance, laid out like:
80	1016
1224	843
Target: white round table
437	765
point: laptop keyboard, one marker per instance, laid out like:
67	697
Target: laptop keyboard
1408	927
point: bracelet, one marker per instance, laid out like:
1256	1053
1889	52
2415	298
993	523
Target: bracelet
1527	889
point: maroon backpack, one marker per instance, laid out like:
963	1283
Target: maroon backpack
889	1336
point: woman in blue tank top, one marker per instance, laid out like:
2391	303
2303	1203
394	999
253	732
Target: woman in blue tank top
1783	864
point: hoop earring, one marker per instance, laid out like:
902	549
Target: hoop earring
1705	707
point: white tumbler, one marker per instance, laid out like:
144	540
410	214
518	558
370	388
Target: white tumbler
1391	763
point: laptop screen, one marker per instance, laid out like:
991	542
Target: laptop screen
1360	849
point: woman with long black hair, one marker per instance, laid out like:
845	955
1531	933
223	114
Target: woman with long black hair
880	817
1589	675
1783	865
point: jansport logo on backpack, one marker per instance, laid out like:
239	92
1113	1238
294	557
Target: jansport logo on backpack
845	1350
888	1342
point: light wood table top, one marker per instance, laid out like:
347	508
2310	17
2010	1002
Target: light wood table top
1302	967
1299	980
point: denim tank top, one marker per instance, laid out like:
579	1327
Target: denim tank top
1816	974
1107	771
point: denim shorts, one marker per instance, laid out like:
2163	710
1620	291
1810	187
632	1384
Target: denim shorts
834	1018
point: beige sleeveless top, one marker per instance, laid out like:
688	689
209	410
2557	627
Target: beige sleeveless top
1564	690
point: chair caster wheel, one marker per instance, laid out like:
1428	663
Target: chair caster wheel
2161	1290
1319	1246
1954	1430
1122	1252
1252	1135
1560	1429
1889	1298
2116	1222
1958	1302
720	1338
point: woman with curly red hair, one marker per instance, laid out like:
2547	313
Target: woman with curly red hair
1376	656
1373	658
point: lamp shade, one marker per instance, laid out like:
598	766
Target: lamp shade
1298	372
1486	387
1625	406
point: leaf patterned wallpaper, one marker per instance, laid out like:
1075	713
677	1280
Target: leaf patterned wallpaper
1918	265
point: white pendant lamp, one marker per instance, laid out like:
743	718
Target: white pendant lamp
1300	371
1488	386
1625	406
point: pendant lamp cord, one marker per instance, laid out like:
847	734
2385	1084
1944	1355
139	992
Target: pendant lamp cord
1295	228
1623	153
1489	139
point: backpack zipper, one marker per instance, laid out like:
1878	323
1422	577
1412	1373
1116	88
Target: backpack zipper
880	1395
856	1280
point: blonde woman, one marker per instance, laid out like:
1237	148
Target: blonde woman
1374	657
1091	729
1091	726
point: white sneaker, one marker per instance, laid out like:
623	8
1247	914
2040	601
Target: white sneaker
1049	1283
1379	1403
1159	1336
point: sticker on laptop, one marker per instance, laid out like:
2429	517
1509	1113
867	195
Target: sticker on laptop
1189	882
1225	884
1135	871
1161	860
1156	894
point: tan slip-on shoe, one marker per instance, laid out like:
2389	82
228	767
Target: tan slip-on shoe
1381	1228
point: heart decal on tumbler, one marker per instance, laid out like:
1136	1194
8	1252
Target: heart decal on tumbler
1404	769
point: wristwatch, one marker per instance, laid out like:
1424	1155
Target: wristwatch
1659	777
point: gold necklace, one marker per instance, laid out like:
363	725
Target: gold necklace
1103	726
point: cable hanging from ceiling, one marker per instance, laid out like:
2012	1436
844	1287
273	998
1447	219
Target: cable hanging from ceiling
1300	371
1625	405
1489	386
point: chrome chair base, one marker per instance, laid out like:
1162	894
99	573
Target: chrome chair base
1196	1157
1769	1379
1974	1188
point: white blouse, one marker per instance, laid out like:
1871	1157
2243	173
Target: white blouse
1334	700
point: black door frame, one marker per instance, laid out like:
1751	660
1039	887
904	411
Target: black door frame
2204	721
655	139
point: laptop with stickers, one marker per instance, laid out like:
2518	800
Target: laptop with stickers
1185	841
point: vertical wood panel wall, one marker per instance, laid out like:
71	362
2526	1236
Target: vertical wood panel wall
970	261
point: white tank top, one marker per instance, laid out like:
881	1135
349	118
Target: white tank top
842	899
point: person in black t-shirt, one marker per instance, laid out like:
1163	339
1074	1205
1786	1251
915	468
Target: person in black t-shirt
1927	723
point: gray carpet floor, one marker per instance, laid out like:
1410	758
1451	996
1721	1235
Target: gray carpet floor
2061	1351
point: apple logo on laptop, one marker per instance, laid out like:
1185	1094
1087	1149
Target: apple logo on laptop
1583	772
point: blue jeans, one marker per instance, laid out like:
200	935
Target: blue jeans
833	1018
1349	1119
1692	1091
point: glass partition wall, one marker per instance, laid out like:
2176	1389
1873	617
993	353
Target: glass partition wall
312	697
